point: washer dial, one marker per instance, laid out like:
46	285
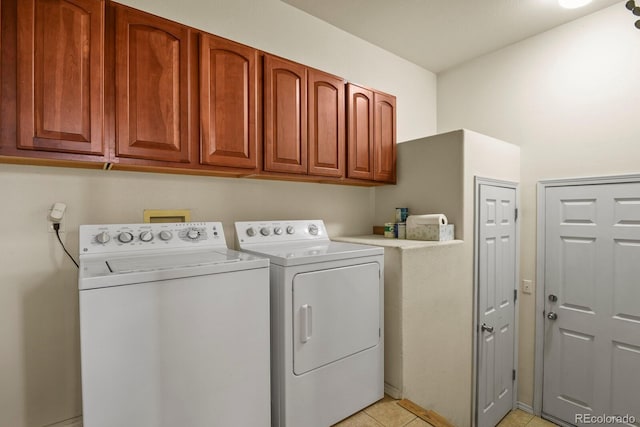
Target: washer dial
165	235
125	237
103	237
146	236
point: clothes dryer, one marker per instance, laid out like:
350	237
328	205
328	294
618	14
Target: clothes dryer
326	321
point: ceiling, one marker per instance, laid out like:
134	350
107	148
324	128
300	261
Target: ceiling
439	34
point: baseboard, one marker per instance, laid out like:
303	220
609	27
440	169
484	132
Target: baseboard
392	391
71	422
524	407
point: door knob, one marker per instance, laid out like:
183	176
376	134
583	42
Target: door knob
486	328
552	316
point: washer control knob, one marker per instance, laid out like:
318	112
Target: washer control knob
291	229
265	231
277	230
103	237
125	237
251	232
193	234
166	235
313	229
146	236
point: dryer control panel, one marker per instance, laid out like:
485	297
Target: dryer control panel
110	238
249	232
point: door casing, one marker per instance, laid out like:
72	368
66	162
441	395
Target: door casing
476	253
540	268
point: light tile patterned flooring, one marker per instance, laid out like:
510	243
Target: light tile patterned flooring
387	413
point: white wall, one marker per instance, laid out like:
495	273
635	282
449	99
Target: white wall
39	356
569	98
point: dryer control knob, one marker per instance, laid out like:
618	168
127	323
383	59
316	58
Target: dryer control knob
103	237
125	237
165	235
251	232
291	229
313	229
265	231
146	236
193	234
277	231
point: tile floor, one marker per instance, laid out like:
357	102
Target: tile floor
387	413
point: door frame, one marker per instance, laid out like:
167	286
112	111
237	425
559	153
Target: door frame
478	181
538	373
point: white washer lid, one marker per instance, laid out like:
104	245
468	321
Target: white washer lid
289	254
112	270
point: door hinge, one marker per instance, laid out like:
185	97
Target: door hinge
515	295
516	215
513	376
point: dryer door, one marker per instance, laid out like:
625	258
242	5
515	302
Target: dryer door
336	313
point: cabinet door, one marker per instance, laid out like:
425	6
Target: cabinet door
360	133
60	75
384	138
326	116
285	116
228	107
152	87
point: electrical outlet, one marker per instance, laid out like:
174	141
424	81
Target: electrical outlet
51	230
527	286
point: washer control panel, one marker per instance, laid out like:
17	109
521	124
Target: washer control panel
248	232
109	238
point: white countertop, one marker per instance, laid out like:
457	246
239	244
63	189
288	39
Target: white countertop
378	240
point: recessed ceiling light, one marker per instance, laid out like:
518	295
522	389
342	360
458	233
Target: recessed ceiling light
573	4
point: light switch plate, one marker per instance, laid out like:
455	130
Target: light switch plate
527	286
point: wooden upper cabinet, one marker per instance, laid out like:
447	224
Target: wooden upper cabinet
384	139
371	134
326	117
152	83
60	76
285	116
360	151
228	103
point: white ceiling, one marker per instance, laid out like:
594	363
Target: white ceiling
439	34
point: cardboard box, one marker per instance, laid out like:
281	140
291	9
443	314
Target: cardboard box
435	232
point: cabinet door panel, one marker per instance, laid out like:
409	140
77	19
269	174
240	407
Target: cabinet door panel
60	69
360	142
326	124
285	143
228	110
152	87
385	138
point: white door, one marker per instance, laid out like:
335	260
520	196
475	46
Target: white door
496	303
336	314
592	302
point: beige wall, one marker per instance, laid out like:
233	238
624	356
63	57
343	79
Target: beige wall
436	175
568	97
39	356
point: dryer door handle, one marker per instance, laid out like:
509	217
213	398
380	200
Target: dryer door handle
306	313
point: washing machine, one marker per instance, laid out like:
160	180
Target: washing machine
326	321
173	328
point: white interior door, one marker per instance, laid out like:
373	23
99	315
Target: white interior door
592	302
496	303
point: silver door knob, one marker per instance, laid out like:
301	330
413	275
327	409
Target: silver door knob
552	315
486	328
